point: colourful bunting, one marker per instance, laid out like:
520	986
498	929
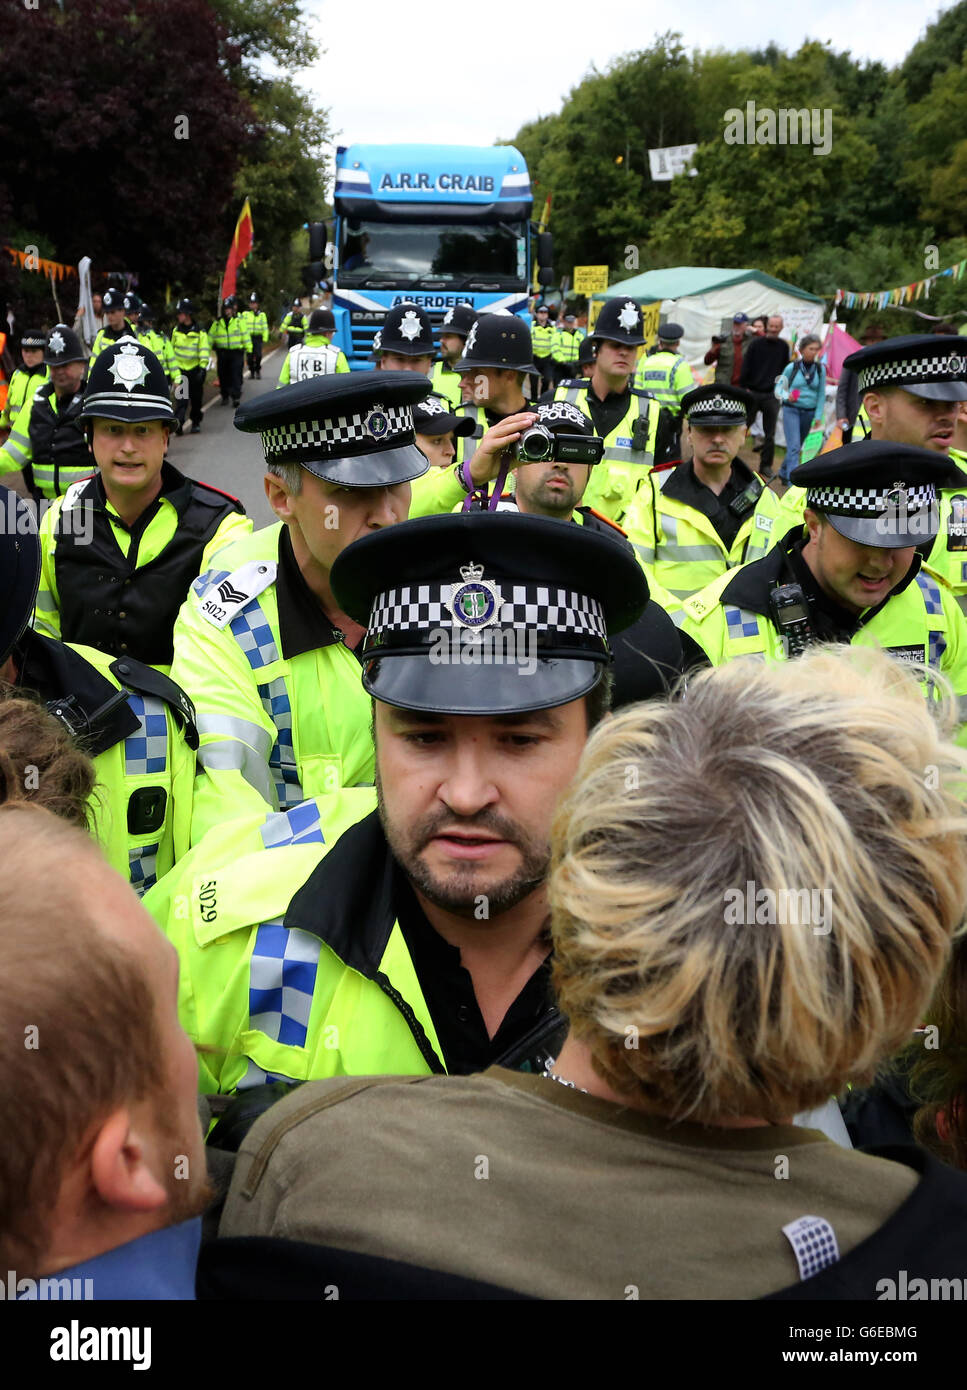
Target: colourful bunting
901	294
28	261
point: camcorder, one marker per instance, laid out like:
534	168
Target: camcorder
539	445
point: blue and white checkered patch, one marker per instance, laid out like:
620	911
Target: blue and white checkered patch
204	581
147	750
298	826
282	762
814	1244
253	634
741	623
936	646
930	589
281	982
143	867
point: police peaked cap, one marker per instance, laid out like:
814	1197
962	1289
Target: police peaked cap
717	405
63	346
33	338
498	340
926	364
19	569
355	428
878	493
406	330
459	319
546	594
670	332
113	299
619	321
127	382
435	416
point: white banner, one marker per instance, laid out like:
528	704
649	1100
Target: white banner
665	164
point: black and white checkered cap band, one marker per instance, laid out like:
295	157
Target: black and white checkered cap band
717	405
421	608
341	435
915	371
855	501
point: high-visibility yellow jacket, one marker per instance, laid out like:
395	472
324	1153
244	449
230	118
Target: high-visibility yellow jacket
161	347
273	728
678	546
629	450
567	344
667	377
47	442
229	335
23	384
190	345
446	382
315	356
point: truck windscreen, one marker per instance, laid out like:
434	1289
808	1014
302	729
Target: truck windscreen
399	253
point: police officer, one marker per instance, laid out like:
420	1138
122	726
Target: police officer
294	325
258	330
230	340
47	442
119	324
191	348
911	388
133	721
315	355
586	358
693	521
121	549
854	576
457	322
419	931
438	428
543	336
261	645
404	341
159	344
635	430
664	373
567	344
496	361
26	379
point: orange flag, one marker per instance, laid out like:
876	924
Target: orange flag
242	243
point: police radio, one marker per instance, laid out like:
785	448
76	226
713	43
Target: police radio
639	433
742	505
790	613
75	719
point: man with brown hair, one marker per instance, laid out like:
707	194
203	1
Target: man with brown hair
102	1166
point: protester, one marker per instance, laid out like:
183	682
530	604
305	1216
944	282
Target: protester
802	391
644	1161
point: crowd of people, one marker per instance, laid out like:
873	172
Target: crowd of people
532	867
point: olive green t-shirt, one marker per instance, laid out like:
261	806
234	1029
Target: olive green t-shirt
527	1184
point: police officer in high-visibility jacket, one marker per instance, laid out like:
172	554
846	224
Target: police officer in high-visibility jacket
121	550
664	373
294	325
635	430
190	345
315	355
25	380
158	344
261	645
415	941
457	323
567	343
404	341
122	321
135	723
911	388
257	325
693	521
854	576
47	442
230	342
496	362
543	337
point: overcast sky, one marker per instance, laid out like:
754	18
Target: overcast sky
460	73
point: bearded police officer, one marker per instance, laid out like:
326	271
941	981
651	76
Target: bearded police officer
121	549
262	646
192	350
911	388
404	341
230	340
315	355
134	722
496	361
457	323
854	576
47	442
635	431
415	942
693	521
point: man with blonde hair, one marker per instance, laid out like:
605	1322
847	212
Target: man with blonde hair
720	974
102	1165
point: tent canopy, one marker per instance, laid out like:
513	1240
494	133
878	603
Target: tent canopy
678	282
